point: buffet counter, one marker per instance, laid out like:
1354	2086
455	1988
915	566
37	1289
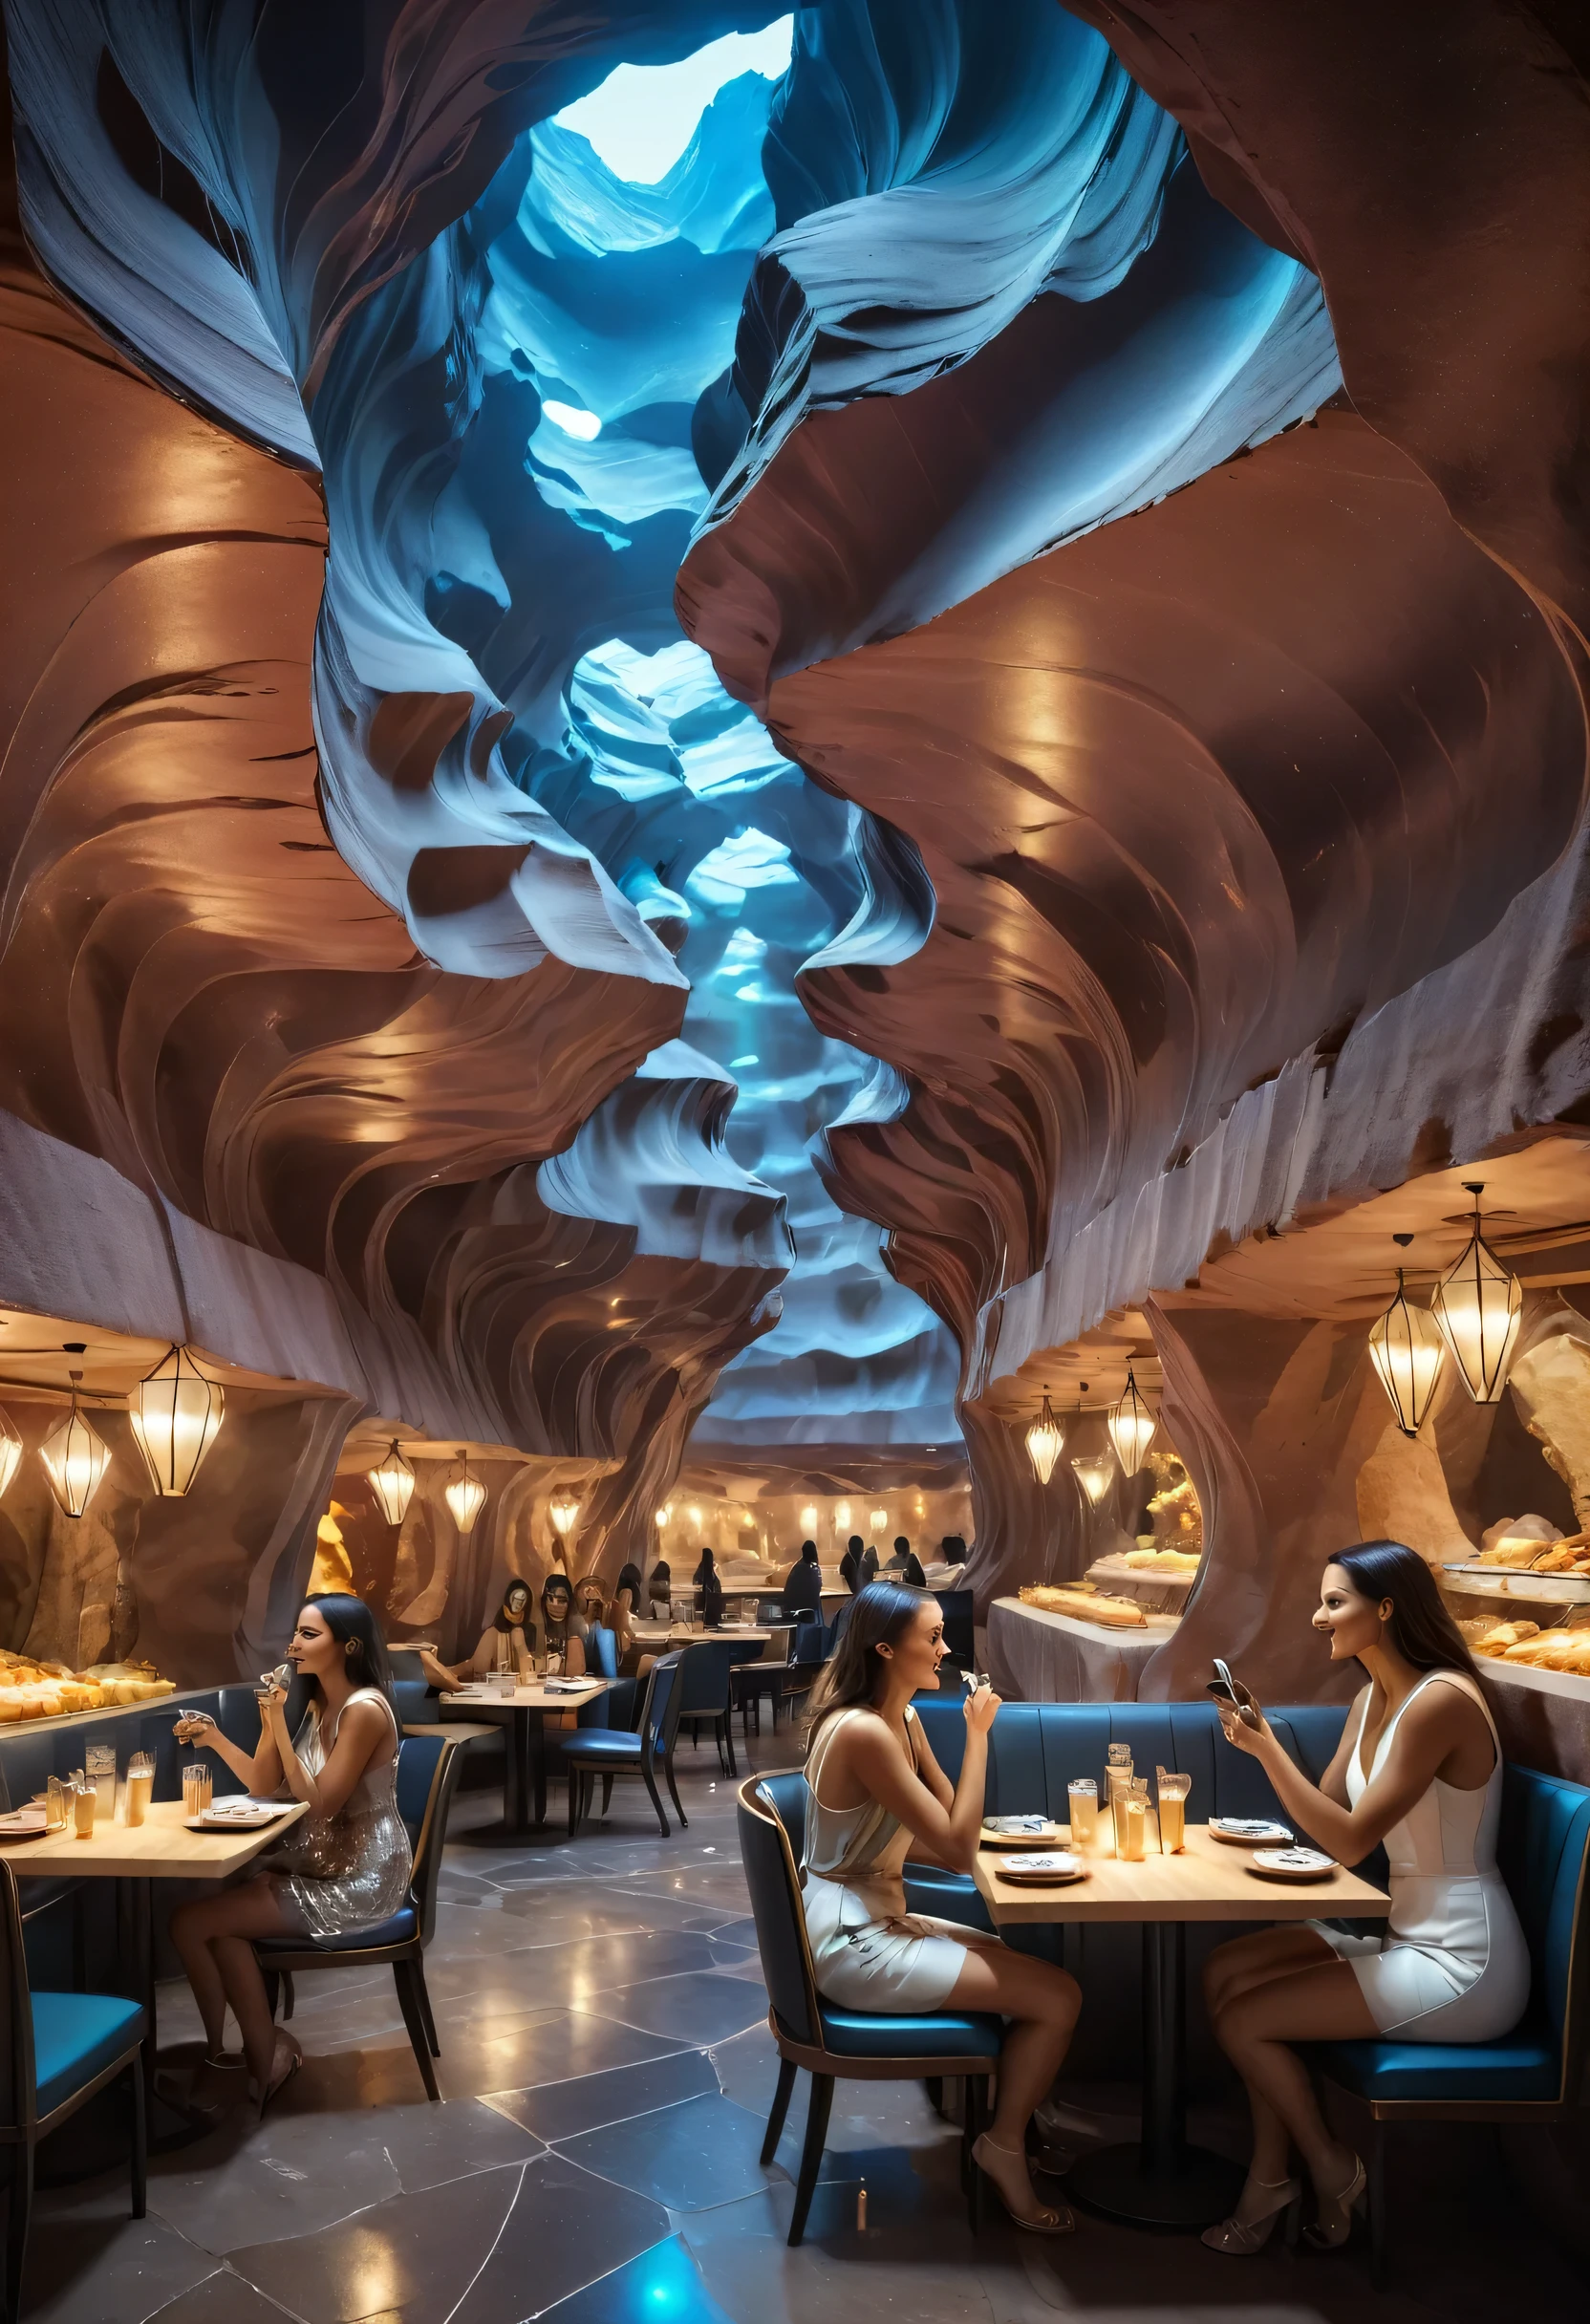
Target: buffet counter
1039	1657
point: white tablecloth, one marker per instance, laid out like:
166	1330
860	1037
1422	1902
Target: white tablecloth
1034	1657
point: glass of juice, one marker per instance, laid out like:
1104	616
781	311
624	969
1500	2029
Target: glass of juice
85	1803
1084	1797
100	1766
1173	1810
1132	1822
140	1784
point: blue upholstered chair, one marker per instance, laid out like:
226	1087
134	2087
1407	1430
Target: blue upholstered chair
808	1646
427	1772
601	1651
705	1698
832	2043
56	2049
1536	2071
617	1751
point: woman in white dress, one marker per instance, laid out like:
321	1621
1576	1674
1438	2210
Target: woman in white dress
1419	1767
877	1795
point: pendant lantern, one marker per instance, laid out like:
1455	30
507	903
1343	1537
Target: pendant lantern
75	1457
1095	1473
175	1413
564	1514
1045	1439
1478	1304
1407	1350
392	1480
1131	1427
465	1494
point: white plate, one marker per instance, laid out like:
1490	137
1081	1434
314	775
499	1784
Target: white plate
246	1816
1249	1831
1044	1871
1293	1865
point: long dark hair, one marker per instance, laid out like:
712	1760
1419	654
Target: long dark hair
506	1620
557	1580
1422	1630
879	1616
351	1623
629	1579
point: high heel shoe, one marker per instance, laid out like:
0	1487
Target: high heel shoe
1241	2238
1050	2219
277	2083
1334	2219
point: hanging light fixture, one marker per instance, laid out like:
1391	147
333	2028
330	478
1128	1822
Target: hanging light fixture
1407	1350
11	1450
1478	1304
663	1516
808	1517
393	1481
841	1514
879	1519
1095	1473
1131	1427
74	1457
1045	1439
175	1413
564	1514
465	1494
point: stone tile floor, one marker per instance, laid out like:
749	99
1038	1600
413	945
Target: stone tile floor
607	2071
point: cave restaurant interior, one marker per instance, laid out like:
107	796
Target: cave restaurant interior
794	1162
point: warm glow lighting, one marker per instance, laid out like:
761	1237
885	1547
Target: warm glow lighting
465	1495
693	1513
564	1514
808	1517
841	1514
1131	1427
1095	1473
11	1450
1478	1304
175	1413
1045	1439
1407	1350
879	1519
664	1517
392	1480
74	1458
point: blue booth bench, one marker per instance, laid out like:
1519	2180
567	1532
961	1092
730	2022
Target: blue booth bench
1532	2073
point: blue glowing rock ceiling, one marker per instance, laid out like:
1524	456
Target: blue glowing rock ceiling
727	425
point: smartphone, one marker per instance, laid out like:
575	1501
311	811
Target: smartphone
1228	1689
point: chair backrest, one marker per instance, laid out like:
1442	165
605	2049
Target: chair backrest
405	1662
417	1706
18	2090
659	1710
428	1770
601	1650
771	1816
1542	1849
807	1645
705	1679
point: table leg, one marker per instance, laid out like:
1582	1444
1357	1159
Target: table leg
513	1773
539	1746
1161	2182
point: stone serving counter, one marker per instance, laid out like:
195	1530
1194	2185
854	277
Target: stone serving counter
1036	1657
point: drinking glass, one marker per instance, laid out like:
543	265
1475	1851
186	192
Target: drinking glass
1083	1796
100	1766
140	1784
197	1789
57	1805
1173	1810
1117	1782
85	1801
1132	1821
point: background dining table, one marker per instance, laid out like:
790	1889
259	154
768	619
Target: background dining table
1160	2180
529	1707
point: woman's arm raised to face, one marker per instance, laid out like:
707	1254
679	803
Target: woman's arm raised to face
1442	1723
874	1757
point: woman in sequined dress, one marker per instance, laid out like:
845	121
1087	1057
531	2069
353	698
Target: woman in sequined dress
343	1865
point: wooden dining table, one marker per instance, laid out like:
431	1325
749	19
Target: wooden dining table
163	1847
1159	2180
525	1776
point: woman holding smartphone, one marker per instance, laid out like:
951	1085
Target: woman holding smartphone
1419	1767
875	1796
